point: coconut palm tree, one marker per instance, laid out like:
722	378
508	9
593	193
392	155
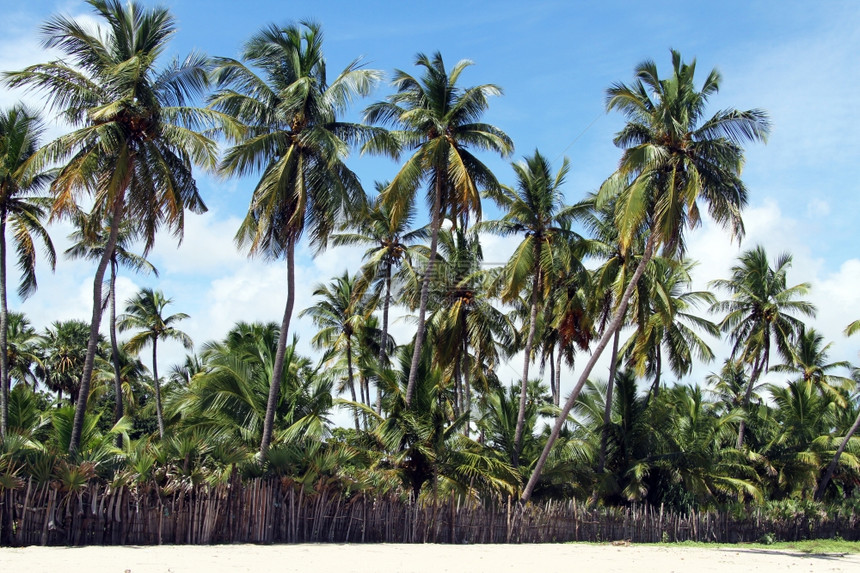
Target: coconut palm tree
340	314
666	327
439	122
291	132
851	329
673	159
761	314
20	130
465	330
536	209
22	349
89	244
809	361
145	313
228	395
134	139
390	243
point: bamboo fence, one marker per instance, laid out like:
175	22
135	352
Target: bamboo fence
275	511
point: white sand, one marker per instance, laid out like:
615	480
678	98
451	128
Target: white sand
415	558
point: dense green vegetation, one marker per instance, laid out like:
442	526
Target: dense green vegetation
430	414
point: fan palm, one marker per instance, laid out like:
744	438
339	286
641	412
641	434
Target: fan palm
441	123
90	244
761	313
672	160
64	350
145	312
134	138
536	209
19	139
292	134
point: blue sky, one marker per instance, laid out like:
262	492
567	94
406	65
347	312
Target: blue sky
554	61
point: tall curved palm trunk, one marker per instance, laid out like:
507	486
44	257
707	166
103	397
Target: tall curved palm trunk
280	351
670	163
285	124
131	142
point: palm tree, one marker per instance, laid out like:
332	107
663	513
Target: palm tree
229	393
390	243
19	139
809	362
22	349
90	244
145	312
761	313
851	329
666	327
64	350
466	331
134	140
440	122
536	209
672	160
340	314
292	134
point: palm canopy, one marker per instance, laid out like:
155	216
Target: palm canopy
674	158
20	130
134	137
809	361
763	310
286	126
535	208
145	313
89	244
439	122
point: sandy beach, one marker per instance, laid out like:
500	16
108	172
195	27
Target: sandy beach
415	558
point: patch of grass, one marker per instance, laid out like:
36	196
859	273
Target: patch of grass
812	546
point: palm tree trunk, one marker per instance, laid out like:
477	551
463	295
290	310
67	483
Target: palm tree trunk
278	366
524	384
425	290
558	374
458	383
114	349
658	361
467	392
351	382
4	327
747	397
614	325
831	468
95	322
383	355
158	413
552	389
607	409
